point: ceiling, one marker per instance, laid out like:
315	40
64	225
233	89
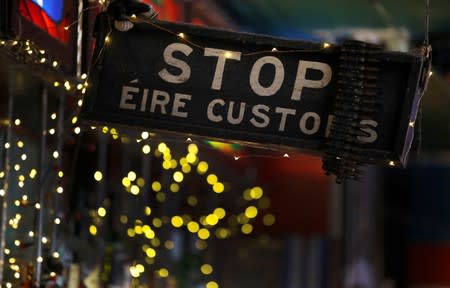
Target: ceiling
294	18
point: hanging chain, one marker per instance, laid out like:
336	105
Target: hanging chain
427	22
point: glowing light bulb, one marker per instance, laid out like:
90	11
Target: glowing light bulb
98	176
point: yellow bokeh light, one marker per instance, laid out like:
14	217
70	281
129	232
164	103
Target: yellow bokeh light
163	273
173	164
269	219
167	156
193	148
206	269
203	220
123	219
202	168
167	165
251	212
192	200
33	173
132	175
93	230
220	212
191	158
148	211
222	233
150	252
160	197
183	161
203	234
218	187
140	268
157	222
126	182
138	229
242	219
140	182
256	192
212	219
247	195
193	227
130	232
146	149
162	147
135	190
212	284
155	242
247	228
211	179
174	187
101	212
201	245
145	135
98	176
149	234
178	176
177	221
156	186
134	272
186	168
169	245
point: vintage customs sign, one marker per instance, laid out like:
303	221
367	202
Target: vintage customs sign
257	89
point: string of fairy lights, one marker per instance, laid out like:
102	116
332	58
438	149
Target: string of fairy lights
203	227
25	52
219	223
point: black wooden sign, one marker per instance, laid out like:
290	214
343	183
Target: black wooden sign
256	89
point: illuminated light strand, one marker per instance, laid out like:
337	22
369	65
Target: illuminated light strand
189	140
28	53
185	38
81	15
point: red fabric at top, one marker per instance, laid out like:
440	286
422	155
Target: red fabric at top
33	13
